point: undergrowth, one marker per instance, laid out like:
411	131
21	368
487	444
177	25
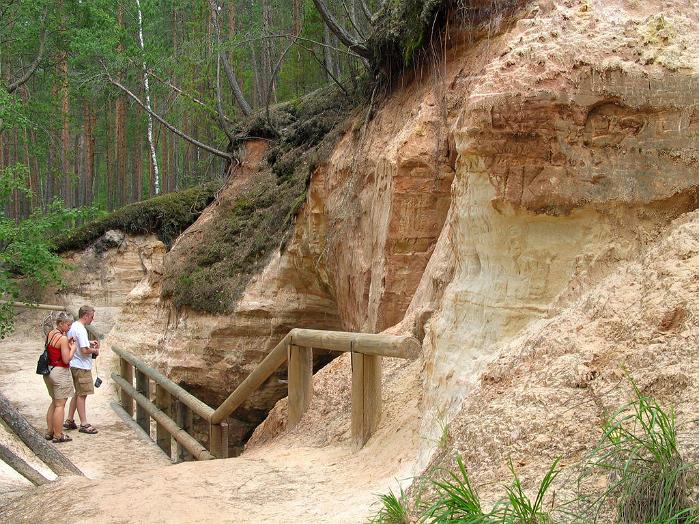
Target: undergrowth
644	479
165	215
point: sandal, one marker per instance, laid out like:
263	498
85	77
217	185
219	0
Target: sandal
48	436
62	438
70	424
87	428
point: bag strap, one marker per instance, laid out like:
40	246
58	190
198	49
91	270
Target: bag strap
52	338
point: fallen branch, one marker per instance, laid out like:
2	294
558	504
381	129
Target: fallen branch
21	466
35	441
170	127
32	68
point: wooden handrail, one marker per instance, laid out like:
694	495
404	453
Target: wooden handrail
260	374
398	346
365	343
195	448
366	348
192	402
93	332
28	305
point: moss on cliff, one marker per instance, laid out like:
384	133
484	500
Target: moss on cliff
246	229
166	216
402	28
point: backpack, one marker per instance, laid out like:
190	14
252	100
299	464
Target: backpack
42	365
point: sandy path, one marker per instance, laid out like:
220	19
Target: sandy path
98	456
129	480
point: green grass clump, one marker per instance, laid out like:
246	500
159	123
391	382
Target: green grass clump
645	480
457	500
394	509
167	216
648	480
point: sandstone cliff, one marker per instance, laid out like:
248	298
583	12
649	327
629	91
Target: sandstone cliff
523	203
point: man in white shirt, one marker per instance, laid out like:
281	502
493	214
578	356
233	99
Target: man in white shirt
81	370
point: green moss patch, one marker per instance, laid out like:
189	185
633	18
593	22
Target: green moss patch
167	216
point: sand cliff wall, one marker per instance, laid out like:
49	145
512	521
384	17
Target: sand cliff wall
498	184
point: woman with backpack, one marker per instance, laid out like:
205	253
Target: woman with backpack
59	381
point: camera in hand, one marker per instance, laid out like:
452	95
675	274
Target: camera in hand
94	355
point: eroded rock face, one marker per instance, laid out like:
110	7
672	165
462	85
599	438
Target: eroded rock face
575	144
107	273
372	218
573	152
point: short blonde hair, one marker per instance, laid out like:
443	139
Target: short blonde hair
63	317
85	310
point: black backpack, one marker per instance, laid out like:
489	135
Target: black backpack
42	365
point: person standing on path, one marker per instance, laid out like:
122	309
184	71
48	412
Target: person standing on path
59	382
81	369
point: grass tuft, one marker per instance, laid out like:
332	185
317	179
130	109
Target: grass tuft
457	500
394	509
648	480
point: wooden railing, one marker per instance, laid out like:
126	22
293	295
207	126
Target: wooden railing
297	346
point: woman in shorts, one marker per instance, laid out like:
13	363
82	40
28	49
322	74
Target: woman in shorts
59	382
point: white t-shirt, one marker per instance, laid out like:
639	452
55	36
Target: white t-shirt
77	330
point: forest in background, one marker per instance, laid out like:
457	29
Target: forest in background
105	103
70	132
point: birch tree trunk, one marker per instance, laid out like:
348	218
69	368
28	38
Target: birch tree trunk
120	132
147	94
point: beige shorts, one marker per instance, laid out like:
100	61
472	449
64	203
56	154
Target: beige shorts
59	383
82	380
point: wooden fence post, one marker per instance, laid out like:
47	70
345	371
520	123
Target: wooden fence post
184	420
366	396
163	401
142	417
218	440
126	371
299	386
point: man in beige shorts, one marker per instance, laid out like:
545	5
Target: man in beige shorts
81	369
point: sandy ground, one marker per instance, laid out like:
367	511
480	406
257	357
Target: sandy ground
290	479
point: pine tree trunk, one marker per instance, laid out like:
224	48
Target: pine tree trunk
138	171
39	196
89	139
17	200
78	164
120	130
327	53
65	131
166	164
267	53
109	132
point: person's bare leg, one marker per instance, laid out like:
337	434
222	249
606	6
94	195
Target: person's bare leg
81	409
59	409
71	408
49	419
